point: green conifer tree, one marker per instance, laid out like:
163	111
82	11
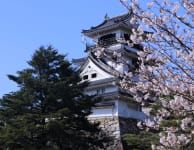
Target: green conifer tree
49	111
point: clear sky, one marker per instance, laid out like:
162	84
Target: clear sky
25	25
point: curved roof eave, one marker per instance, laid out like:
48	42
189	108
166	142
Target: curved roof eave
96	32
104	66
109	23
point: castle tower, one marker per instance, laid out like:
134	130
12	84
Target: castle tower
102	71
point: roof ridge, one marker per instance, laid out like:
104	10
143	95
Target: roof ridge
121	15
111	22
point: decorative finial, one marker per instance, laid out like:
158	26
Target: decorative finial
106	17
130	10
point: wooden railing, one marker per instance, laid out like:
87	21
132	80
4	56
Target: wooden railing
107	42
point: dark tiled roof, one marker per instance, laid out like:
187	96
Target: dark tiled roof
103	65
103	81
79	61
107	24
111	21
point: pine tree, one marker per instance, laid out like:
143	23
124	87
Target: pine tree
49	111
141	140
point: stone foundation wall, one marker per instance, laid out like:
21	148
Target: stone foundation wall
115	127
111	127
127	125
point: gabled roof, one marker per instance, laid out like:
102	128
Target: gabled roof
81	63
118	22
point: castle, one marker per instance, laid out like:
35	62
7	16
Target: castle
102	70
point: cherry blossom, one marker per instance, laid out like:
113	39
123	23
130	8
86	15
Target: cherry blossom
166	68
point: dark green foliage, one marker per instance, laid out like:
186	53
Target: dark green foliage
141	140
49	111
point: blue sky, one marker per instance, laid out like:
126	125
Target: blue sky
25	25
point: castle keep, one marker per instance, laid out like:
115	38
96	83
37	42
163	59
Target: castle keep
102	71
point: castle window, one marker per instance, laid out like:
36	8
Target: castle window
85	77
94	75
107	40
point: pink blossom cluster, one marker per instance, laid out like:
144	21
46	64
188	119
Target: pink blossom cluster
166	69
171	141
166	66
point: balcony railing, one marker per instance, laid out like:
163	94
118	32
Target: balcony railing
107	42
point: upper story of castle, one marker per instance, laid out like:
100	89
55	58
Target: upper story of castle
107	60
107	55
111	29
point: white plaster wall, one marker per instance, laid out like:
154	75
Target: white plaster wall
102	112
111	89
121	109
91	92
124	110
106	111
101	90
92	68
118	66
115	47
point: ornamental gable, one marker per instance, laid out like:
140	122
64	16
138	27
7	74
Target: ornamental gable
91	72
